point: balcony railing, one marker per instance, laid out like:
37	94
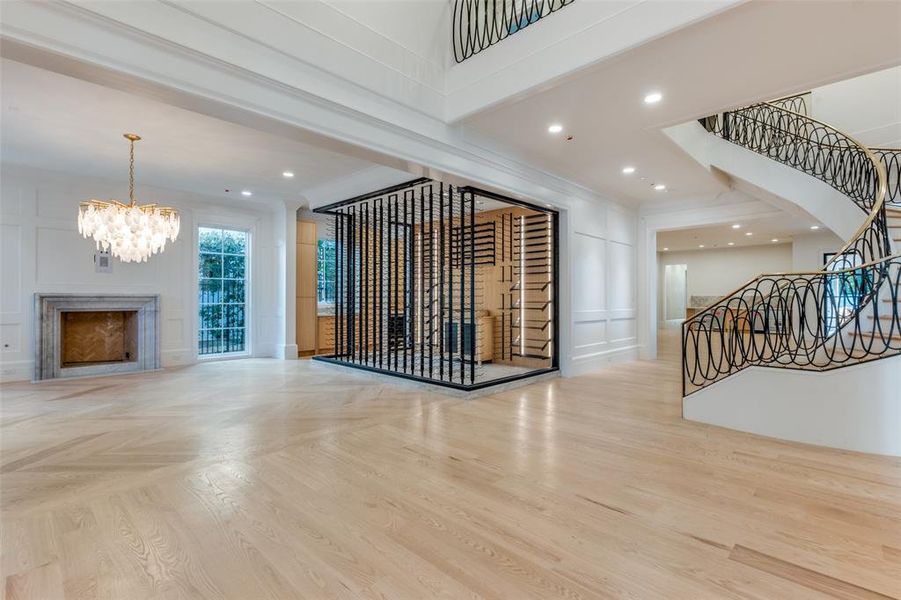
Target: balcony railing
479	24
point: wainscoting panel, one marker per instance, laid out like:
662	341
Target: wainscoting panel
603	281
42	251
11	268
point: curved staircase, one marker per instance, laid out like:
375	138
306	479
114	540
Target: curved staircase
845	314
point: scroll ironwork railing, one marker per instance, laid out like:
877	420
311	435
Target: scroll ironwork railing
891	159
800	104
846	313
479	24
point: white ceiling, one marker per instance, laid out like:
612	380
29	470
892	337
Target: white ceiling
762	49
57	122
756	51
782	228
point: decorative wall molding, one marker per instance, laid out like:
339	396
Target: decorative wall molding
72	40
32	263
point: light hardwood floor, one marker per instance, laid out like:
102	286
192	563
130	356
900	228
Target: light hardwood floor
269	479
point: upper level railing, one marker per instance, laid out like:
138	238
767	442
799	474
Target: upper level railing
479	24
800	104
844	314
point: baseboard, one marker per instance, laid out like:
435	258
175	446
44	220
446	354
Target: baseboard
265	350
287	352
16	370
177	358
582	365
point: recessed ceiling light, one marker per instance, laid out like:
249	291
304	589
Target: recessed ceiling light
731	243
774	240
814	227
659	187
736	226
653	98
748	233
628	170
700	245
287	174
246	193
555	128
665	249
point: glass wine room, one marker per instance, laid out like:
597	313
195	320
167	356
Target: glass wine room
448	285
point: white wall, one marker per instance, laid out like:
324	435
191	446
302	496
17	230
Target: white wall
43	252
808	249
598	293
719	271
418	26
856	408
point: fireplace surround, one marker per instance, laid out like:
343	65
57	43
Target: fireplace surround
77	335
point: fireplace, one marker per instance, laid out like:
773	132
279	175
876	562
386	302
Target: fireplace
79	335
96	337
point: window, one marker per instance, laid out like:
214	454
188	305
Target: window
843	291
222	290
325	272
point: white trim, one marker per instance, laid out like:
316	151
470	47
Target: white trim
17	370
288	352
583	365
372	129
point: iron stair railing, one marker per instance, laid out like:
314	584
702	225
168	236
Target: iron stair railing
845	314
480	24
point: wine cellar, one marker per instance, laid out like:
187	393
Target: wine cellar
450	285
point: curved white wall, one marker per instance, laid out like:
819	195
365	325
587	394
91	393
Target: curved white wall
855	408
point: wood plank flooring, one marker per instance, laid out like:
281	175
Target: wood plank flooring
288	479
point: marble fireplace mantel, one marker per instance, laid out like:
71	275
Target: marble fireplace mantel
48	310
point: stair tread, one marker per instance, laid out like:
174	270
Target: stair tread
894	336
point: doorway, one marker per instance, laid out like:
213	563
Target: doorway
675	294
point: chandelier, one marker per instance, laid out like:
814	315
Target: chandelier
129	232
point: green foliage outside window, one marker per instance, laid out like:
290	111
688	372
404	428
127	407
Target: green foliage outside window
222	290
325	271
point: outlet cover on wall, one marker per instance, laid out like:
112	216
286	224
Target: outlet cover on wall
103	261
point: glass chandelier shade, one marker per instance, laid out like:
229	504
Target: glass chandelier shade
129	232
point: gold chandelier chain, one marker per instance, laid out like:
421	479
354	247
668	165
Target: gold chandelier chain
131	173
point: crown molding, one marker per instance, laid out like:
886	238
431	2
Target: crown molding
75	41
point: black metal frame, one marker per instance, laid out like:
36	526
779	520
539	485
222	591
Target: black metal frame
480	24
409	252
